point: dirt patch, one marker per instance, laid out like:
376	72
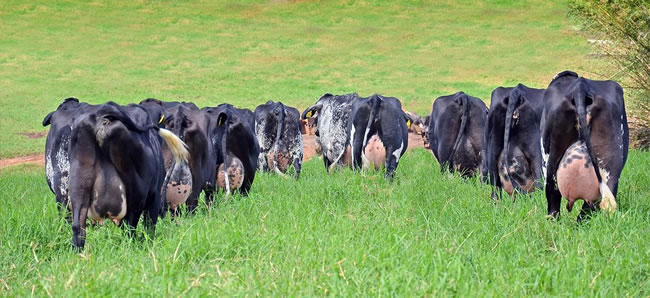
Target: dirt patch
308	147
415	141
33	135
37	159
308	141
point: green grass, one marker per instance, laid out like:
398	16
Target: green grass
246	52
342	234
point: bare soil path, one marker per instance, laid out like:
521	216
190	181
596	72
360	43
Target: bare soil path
415	141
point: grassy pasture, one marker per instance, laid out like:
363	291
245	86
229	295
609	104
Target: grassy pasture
342	234
246	52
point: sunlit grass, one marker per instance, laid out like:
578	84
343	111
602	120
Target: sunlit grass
424	234
248	52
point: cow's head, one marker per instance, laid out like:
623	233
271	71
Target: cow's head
65	109
181	120
154	108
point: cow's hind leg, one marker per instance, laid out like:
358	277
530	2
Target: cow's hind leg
391	163
553	195
297	166
587	210
132	219
80	213
64	209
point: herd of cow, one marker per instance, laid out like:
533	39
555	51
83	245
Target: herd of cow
118	162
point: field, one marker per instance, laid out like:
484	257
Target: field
348	234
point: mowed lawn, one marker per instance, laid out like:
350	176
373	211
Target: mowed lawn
246	52
339	234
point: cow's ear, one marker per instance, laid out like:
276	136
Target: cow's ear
47	119
153	100
223	117
311	111
165	118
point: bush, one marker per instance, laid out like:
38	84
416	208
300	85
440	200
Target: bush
624	30
622	33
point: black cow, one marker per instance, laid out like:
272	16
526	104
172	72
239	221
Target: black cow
233	138
156	108
513	156
456	132
185	181
116	167
57	155
332	113
277	128
585	139
378	133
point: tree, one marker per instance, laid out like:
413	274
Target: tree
622	28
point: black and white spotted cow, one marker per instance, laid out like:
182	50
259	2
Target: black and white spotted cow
585	139
186	181
332	113
456	132
232	132
513	155
277	128
116	167
57	155
378	133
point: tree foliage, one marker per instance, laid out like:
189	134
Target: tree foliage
623	31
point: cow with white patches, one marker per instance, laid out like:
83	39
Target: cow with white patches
378	133
232	134
277	128
57	156
116	167
456	132
332	113
585	136
512	151
186	181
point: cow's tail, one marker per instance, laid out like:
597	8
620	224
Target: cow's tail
374	109
177	147
607	200
513	98
163	191
276	142
463	122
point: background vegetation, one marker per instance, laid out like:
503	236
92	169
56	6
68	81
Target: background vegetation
620	30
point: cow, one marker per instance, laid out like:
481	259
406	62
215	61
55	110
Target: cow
332	113
277	128
585	139
424	133
308	126
414	123
156	108
116	167
57	155
513	155
378	135
456	132
232	133
186	181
